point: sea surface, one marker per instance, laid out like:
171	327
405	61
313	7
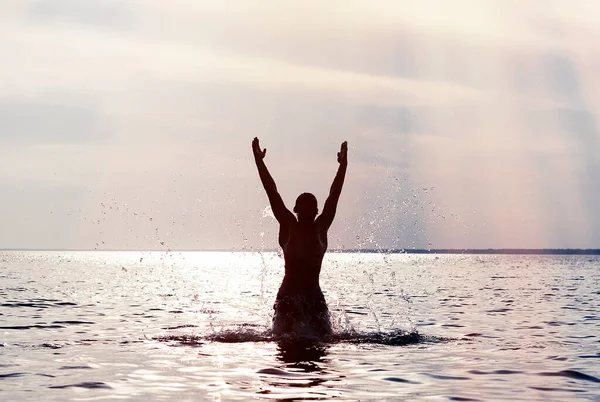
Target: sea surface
195	326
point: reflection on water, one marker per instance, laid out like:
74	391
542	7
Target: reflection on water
303	353
302	361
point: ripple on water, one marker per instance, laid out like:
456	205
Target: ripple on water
87	384
50	346
556	389
37	303
501	372
11	375
74	367
73	322
282	373
400	380
36	326
446	377
181	326
573	374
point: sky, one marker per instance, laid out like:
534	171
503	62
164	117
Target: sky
127	124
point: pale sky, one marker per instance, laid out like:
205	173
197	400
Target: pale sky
127	124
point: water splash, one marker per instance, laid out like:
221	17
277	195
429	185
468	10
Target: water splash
243	334
267	212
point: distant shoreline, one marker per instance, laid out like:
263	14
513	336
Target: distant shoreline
503	251
488	251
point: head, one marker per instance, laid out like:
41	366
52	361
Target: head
306	206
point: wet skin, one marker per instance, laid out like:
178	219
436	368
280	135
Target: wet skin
304	245
303	237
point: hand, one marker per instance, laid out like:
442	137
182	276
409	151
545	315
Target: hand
343	154
258	154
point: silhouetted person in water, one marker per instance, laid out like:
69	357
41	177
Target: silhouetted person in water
300	306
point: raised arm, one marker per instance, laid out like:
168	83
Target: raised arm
282	214
326	218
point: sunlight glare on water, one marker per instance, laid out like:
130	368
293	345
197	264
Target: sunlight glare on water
196	325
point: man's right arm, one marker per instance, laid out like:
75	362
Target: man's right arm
282	214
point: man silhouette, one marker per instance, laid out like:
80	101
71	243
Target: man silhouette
300	306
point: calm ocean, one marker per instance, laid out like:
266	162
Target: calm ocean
195	326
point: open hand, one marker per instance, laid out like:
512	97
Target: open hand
342	156
258	154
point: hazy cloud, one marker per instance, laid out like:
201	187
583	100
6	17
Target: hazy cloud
471	123
38	121
108	14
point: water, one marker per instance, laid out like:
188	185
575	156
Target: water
194	326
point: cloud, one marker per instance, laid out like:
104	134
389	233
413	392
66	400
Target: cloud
492	104
25	121
107	62
108	14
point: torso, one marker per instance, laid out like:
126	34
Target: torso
300	307
304	245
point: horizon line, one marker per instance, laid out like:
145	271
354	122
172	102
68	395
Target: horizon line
508	251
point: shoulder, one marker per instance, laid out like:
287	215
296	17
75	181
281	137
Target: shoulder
289	222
